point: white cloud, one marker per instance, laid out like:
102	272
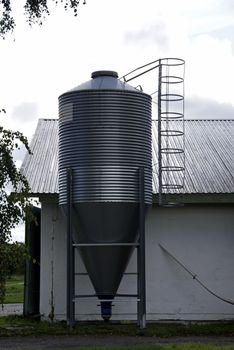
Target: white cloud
44	62
210	70
150	35
25	112
206	108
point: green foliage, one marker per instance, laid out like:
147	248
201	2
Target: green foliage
14	202
12	261
35	11
16	258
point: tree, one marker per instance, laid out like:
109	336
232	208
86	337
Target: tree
14	190
16	254
35	11
14	187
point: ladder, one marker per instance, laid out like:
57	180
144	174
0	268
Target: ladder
171	140
169	157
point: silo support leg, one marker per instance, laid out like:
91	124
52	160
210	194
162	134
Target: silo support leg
70	255
141	284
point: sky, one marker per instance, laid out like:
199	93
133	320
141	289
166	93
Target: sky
38	64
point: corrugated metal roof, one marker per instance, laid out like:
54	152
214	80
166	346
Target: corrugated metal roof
209	154
41	168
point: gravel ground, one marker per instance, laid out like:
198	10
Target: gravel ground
58	342
11	309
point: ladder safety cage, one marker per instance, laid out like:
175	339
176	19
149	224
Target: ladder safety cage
169	159
171	140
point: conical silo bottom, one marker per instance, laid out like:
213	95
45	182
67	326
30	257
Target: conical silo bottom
106	223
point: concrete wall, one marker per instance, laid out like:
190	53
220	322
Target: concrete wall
202	237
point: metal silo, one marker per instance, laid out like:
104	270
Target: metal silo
104	138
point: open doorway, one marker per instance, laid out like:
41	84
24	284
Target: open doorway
32	271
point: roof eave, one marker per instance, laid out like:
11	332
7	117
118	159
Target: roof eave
187	198
197	198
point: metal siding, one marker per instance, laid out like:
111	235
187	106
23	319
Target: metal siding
209	157
41	168
105	142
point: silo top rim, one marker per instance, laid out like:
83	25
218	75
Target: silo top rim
104	73
104	80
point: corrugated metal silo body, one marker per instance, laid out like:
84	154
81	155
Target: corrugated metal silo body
105	136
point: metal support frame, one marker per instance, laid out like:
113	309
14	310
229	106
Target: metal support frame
70	255
140	245
141	284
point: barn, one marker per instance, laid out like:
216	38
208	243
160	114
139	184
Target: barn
189	248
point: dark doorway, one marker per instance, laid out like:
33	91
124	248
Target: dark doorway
32	271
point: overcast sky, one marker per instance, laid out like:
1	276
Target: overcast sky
38	64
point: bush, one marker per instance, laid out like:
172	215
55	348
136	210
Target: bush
15	255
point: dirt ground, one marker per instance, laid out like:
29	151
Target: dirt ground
59	342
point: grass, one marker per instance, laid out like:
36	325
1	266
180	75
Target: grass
12	326
20	326
146	347
158	347
17	325
14	290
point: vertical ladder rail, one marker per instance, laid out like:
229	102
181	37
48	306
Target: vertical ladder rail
159	134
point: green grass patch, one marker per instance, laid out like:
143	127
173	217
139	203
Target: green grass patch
147	347
158	347
14	290
18	325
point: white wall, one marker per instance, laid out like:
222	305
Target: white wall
200	236
53	261
203	238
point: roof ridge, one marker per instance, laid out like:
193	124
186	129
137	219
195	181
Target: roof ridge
210	120
199	120
186	120
47	119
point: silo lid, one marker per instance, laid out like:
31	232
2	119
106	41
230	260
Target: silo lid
104	73
104	80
